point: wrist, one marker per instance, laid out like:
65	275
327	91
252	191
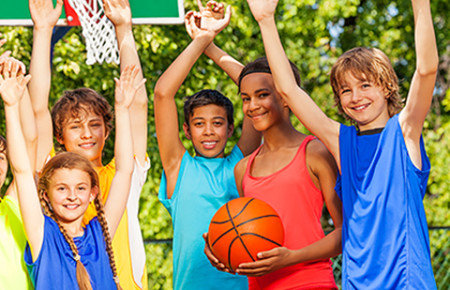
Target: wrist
42	28
267	20
123	27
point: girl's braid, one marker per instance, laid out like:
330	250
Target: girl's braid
106	234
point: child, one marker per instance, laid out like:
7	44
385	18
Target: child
13	271
81	124
67	184
383	163
194	188
295	174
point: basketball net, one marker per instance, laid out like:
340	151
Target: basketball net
98	31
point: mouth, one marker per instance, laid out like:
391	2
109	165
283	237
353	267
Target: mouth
209	144
361	107
257	116
88	145
71	206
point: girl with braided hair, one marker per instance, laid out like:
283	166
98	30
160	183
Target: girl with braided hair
61	252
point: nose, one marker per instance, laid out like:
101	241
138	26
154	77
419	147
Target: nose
208	129
356	96
71	194
253	104
86	133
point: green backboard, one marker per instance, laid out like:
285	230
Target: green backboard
16	12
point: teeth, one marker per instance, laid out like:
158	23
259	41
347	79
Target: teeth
73	206
360	107
209	143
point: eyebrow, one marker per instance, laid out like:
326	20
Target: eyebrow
202	118
257	91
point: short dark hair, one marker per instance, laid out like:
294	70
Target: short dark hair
208	97
261	65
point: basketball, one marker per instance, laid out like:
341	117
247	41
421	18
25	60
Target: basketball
241	229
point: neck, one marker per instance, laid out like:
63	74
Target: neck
283	135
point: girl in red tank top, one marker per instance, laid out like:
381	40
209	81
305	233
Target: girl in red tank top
295	174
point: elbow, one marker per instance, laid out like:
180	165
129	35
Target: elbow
429	68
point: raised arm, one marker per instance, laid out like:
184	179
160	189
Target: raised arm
250	138
12	88
207	15
166	117
44	17
126	89
422	85
298	100
119	12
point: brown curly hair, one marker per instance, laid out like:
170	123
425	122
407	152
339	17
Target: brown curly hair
77	103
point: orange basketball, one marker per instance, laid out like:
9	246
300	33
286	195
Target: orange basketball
242	228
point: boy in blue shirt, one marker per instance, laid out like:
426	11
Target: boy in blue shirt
382	160
194	188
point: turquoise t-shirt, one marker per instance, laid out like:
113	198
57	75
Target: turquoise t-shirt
55	267
13	271
385	243
203	186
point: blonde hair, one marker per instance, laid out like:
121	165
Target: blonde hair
366	64
71	160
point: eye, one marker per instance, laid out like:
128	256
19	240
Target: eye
74	127
263	95
245	98
82	188
366	85
218	123
198	124
96	124
344	91
61	188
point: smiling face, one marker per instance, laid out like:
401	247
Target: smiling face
261	102
85	135
364	102
209	130
69	193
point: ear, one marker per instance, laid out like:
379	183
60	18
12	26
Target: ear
187	131
45	197
60	140
230	130
94	193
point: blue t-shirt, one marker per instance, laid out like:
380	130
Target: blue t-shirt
203	186
385	243
55	267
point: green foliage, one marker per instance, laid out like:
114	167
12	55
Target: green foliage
314	33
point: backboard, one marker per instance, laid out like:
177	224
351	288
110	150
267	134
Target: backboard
17	13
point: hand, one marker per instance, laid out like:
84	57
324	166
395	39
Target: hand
262	9
12	85
212	259
125	87
118	11
43	14
268	261
211	19
6	64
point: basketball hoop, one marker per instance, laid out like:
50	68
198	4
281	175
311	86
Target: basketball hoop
98	31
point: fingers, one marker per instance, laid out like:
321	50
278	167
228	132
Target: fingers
228	14
200	5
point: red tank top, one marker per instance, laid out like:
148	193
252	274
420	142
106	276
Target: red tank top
292	193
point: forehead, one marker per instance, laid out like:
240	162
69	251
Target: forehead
256	81
210	111
70	176
84	116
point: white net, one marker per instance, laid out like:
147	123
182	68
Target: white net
98	31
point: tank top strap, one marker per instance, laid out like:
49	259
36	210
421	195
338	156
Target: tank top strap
250	160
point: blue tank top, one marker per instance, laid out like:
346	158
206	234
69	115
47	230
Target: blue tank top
55	267
385	243
203	186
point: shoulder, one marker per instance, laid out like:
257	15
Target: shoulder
239	170
318	156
